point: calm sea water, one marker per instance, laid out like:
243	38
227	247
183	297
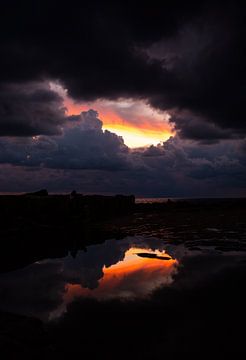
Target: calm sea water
187	199
151	200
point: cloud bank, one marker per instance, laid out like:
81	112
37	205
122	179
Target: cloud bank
90	159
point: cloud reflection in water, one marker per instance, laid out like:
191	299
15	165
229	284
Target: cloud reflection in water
112	270
132	277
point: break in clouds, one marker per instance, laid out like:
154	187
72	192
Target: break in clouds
186	59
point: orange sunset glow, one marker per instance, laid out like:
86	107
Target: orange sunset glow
138	123
132	277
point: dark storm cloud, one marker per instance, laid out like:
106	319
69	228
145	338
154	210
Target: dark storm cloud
83	146
207	60
92	160
187	56
30	109
189	126
85	45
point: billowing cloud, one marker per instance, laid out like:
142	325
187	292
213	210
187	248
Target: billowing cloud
205	59
90	159
135	120
175	56
189	126
30	109
81	146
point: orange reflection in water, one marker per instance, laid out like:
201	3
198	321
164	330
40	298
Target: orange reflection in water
133	277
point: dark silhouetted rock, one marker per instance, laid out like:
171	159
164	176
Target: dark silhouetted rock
73	195
42	192
153	256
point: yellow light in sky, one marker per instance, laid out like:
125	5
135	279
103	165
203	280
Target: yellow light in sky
134	137
135	120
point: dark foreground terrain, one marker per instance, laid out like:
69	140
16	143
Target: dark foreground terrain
113	281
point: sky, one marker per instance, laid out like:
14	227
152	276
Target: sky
123	97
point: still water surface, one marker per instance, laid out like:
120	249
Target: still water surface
129	269
117	269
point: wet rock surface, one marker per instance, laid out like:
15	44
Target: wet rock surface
23	336
221	225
